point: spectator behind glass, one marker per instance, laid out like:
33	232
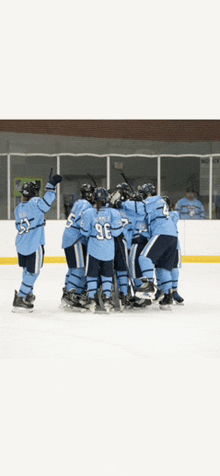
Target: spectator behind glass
189	207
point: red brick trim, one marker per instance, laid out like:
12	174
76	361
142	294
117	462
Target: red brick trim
152	130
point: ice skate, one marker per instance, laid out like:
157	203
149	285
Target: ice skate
166	302
124	302
70	298
20	304
91	305
177	298
64	296
30	298
83	298
140	303
108	304
147	288
158	295
71	301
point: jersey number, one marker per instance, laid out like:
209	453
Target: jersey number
125	222
70	220
166	211
103	231
24	226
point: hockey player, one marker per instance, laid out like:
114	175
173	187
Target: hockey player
74	245
189	208
161	248
137	237
178	256
122	246
30	240
100	225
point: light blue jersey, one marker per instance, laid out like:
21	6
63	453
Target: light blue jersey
136	213
72	232
175	217
190	209
127	223
158	217
100	226
30	221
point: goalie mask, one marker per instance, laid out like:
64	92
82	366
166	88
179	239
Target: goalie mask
87	192
146	190
30	189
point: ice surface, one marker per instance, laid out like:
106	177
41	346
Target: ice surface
126	394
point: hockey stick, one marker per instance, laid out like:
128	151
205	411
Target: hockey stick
51	173
132	286
93	180
127	181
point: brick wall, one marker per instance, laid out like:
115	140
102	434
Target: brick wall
152	130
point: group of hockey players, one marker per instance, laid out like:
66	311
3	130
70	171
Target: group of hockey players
121	247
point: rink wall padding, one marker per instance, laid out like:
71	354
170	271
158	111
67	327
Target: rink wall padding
199	239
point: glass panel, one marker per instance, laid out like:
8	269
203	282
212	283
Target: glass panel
25	169
138	170
180	173
75	171
3	190
216	188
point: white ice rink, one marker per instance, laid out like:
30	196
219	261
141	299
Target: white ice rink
126	394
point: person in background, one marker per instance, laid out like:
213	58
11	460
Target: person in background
30	240
189	207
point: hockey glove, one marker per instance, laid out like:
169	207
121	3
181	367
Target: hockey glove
55	179
137	197
116	195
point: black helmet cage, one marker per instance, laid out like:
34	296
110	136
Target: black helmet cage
147	189
125	190
87	191
30	189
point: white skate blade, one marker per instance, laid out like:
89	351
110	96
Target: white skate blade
109	309
92	309
21	310
142	295
167	307
68	308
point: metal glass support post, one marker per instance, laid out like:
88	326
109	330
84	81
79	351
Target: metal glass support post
158	175
210	186
58	188
9	186
108	178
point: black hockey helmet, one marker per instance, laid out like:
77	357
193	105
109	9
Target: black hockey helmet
101	195
124	190
147	189
87	191
30	189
